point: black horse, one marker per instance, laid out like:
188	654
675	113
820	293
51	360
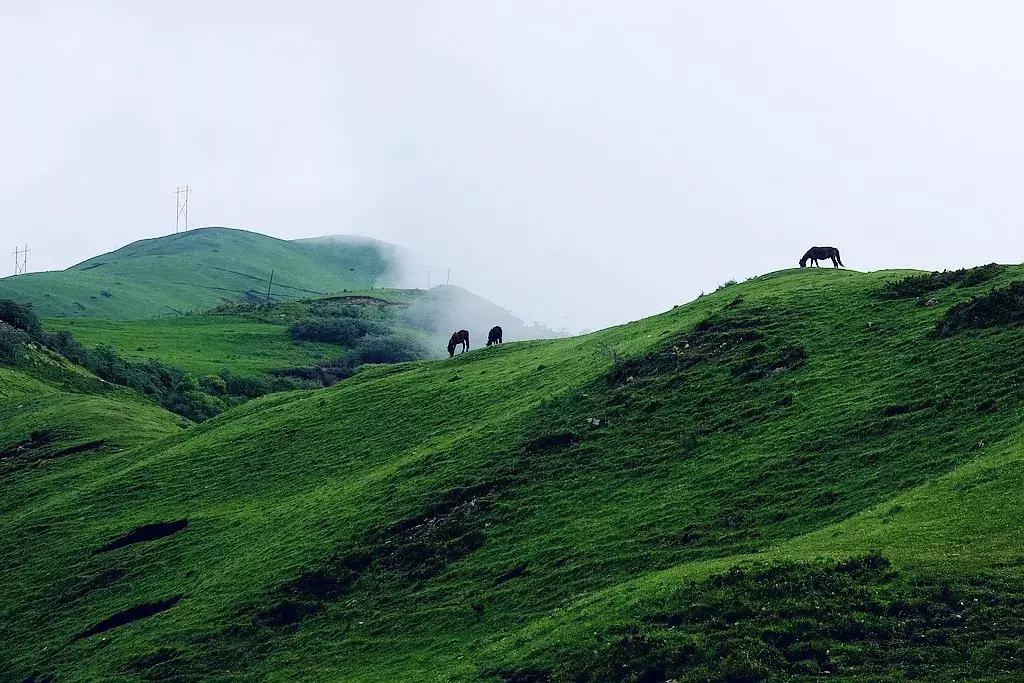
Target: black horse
460	337
494	336
814	254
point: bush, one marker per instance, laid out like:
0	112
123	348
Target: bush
396	348
1003	306
343	331
21	318
65	344
919	285
12	349
249	387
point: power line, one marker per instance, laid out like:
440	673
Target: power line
21	261
182	206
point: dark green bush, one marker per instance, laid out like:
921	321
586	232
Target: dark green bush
20	317
12	348
250	387
395	348
343	331
918	285
1004	306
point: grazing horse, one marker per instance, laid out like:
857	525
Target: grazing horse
815	253
494	336
460	337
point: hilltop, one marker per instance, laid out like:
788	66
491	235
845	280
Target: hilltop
196	270
810	473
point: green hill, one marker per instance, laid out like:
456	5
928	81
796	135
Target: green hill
811	473
200	269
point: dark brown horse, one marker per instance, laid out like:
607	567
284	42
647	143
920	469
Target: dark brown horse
460	337
814	254
494	336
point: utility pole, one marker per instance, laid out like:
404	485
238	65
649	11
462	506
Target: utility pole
270	285
449	281
181	201
21	260
428	279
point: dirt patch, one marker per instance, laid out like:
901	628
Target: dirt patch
550	442
287	613
764	365
513	573
132	614
721	339
37	448
144	533
36	441
905	408
415	548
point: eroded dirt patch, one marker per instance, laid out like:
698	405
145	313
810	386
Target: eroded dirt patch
144	533
132	614
413	549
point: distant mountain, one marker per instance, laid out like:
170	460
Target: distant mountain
202	268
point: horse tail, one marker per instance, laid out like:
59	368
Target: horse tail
838	258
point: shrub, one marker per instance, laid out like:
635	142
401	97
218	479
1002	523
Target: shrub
249	387
1004	306
919	285
64	343
21	318
12	350
343	331
395	348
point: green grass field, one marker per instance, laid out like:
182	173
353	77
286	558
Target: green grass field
253	340
793	477
203	344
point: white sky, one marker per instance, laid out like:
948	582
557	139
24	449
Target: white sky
582	163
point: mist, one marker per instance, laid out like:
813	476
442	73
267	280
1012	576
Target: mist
580	163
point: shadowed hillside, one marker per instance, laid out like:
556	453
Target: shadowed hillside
811	473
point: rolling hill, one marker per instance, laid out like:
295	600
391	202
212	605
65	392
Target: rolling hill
811	473
200	269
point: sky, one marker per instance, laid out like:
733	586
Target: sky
583	163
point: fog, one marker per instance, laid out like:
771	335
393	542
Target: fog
581	163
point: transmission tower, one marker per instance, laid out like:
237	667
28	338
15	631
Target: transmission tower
21	261
181	199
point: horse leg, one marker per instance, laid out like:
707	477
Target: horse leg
835	264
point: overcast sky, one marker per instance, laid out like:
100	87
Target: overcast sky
583	163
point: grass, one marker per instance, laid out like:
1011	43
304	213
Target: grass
252	340
791	476
202	344
199	269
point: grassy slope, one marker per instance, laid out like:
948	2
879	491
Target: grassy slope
197	270
202	344
430	516
253	341
74	408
